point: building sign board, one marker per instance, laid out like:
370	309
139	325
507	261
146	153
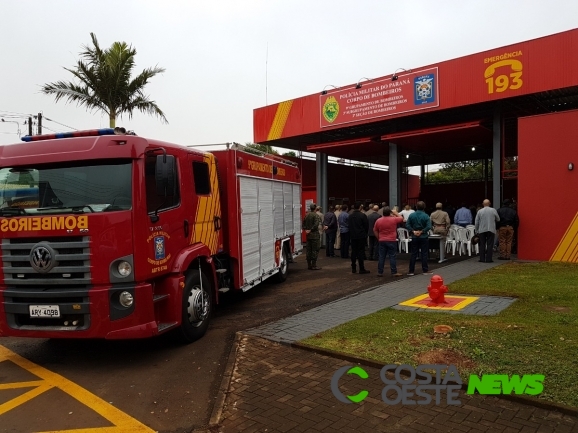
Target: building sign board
381	97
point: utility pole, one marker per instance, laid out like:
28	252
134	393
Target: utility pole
30	126
39	123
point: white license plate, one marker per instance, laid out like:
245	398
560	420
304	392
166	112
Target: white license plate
44	310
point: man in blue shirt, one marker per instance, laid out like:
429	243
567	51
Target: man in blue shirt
419	225
463	216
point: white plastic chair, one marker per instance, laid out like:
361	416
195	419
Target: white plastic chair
465	241
403	239
452	241
472	229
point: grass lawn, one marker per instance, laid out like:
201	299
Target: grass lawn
537	334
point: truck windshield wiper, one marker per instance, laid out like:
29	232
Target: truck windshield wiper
77	209
11	211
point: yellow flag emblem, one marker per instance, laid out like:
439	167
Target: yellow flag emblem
330	109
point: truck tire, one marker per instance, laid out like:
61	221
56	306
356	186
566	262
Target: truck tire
283	267
197	307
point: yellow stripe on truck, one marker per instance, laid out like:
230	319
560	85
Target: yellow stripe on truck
207	208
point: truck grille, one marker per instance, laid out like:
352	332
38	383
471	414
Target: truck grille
70	264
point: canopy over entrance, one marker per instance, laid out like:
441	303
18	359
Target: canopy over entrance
459	142
435	113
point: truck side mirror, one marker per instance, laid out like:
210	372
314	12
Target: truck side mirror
165	175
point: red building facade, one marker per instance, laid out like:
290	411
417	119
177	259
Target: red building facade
517	101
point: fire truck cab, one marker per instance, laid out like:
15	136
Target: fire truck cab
111	235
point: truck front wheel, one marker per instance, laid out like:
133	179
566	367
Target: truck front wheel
197	306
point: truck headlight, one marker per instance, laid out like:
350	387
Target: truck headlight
125	299
124	269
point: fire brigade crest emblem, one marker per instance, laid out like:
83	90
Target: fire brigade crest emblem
330	109
159	247
424	89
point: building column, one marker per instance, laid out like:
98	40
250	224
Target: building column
486	172
497	158
321	184
394	176
421	179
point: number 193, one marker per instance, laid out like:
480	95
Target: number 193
501	83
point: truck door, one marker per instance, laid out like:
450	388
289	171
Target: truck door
166	235
206	227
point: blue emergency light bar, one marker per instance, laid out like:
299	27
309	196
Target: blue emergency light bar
84	133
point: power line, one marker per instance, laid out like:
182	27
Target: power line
14	113
7	116
61	124
25	118
46	127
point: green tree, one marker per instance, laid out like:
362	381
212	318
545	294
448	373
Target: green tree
290	153
260	149
511	166
459	172
105	83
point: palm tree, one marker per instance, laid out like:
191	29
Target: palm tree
106	84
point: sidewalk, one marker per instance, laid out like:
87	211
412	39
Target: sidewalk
273	387
344	310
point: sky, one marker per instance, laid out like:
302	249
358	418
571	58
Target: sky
224	58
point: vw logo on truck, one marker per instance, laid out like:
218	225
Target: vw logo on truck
42	258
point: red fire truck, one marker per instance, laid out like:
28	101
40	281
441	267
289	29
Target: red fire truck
110	235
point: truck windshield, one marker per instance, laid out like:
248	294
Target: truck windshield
73	187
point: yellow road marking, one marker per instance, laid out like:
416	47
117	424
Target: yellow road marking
21	399
122	423
115	429
21	384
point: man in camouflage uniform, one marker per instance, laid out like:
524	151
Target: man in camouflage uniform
311	224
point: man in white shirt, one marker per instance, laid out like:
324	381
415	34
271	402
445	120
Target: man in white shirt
406	212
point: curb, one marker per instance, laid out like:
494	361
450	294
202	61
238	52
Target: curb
219	404
528	401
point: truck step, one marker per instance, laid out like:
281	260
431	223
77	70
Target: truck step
48	328
157	298
224	289
220	270
164	326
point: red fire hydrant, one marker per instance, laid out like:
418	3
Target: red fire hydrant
436	291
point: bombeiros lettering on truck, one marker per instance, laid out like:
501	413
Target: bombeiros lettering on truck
45	223
127	237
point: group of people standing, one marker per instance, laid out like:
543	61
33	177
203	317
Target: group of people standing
352	228
377	228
